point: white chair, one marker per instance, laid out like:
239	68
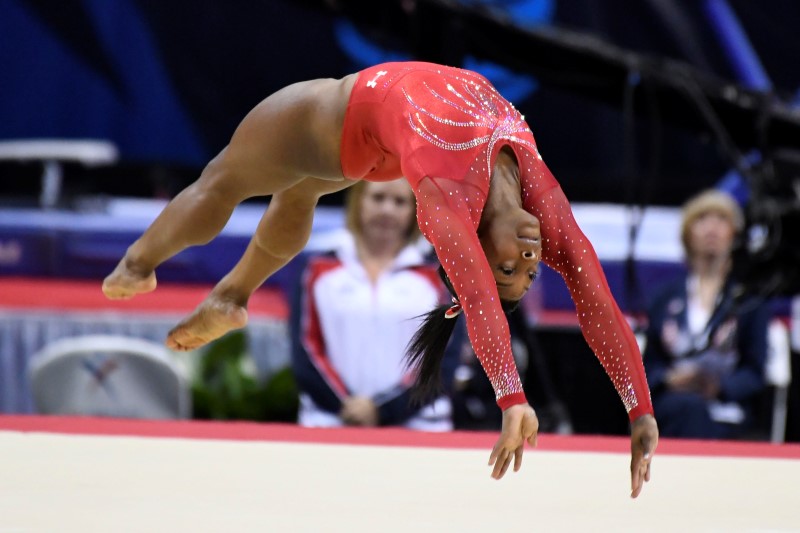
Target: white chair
51	153
108	375
778	374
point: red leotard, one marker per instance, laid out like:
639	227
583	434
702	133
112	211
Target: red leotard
442	128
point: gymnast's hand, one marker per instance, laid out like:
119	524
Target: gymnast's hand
519	425
644	439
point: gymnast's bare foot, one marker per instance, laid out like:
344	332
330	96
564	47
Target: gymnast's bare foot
213	318
126	282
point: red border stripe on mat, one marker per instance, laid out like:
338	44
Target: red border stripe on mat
85	295
251	431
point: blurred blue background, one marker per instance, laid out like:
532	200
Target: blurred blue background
167	82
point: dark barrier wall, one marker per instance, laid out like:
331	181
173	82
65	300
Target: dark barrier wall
167	81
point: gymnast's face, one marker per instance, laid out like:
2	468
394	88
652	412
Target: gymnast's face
513	247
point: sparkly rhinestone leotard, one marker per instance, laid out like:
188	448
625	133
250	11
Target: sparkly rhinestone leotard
442	129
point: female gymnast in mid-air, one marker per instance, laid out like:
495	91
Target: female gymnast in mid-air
485	200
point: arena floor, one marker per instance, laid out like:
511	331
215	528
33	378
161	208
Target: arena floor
89	475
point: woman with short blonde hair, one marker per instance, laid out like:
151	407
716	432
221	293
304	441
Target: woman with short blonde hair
358	309
709	201
704	366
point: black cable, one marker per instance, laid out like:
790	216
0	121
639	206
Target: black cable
697	97
731	301
656	140
642	201
639	198
630	166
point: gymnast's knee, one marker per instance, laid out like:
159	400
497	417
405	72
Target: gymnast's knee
219	182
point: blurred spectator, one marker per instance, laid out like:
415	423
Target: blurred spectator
705	362
358	308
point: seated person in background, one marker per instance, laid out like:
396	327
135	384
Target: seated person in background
705	368
357	310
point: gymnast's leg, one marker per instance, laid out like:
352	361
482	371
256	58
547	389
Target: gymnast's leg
195	216
282	233
292	134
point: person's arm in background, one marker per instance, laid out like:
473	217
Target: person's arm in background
656	360
452	357
395	406
748	378
312	371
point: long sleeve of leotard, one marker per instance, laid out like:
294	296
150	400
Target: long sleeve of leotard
567	250
445	220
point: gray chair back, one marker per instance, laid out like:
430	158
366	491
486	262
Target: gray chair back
108	375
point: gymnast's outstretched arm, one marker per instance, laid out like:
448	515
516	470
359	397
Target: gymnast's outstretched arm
567	250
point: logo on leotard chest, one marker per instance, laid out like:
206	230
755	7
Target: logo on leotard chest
374	81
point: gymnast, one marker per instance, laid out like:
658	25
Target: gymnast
485	200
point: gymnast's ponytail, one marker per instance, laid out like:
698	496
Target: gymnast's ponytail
425	351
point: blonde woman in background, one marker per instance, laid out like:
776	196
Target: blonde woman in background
705	368
357	310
